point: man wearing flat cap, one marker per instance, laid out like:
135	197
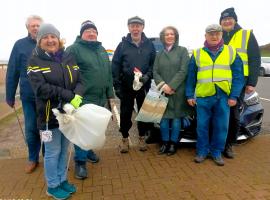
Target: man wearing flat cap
134	52
95	69
215	80
247	47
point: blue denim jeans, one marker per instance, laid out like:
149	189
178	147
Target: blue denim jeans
174	125
80	154
32	136
212	110
55	159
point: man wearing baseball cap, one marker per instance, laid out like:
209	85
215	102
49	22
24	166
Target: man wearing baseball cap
247	47
214	82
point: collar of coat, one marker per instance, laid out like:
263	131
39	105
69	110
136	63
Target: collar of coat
45	55
90	44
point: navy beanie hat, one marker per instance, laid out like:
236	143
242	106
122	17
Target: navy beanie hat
229	12
86	25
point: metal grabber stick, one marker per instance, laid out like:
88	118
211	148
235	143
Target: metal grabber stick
69	155
116	116
20	125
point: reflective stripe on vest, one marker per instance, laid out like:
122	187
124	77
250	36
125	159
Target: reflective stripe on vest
211	74
240	42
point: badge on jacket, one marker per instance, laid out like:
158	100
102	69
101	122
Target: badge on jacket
46	136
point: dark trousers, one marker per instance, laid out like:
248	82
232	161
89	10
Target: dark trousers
234	123
126	109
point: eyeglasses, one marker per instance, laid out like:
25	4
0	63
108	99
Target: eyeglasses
227	19
90	31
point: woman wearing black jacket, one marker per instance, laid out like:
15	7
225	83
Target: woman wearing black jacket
55	79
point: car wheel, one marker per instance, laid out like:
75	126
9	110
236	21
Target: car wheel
262	71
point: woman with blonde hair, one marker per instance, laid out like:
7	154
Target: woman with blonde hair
55	79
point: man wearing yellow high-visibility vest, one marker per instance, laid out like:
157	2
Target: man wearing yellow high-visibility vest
215	80
247	48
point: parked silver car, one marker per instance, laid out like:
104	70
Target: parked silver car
265	66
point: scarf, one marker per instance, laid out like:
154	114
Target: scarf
57	56
215	48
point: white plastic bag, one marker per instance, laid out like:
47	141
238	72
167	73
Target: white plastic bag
136	82
85	126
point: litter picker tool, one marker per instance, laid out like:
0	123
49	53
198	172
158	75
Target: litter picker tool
19	122
115	112
116	115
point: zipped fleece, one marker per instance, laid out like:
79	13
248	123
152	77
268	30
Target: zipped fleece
57	82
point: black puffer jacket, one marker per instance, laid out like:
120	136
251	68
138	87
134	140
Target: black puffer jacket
127	56
253	51
54	81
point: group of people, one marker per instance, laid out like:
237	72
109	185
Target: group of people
214	80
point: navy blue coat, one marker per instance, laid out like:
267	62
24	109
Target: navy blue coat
127	56
17	70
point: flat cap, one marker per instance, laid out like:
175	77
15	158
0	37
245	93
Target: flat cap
135	19
213	28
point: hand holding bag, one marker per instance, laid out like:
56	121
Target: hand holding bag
154	105
85	126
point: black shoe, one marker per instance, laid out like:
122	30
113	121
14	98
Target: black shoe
228	152
172	149
219	161
80	170
164	148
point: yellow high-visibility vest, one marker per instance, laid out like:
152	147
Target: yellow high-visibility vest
211	74
240	42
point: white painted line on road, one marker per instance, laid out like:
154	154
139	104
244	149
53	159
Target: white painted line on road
265	99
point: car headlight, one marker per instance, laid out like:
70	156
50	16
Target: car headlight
252	98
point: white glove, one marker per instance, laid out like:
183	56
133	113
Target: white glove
136	82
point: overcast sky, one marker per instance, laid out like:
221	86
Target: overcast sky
190	17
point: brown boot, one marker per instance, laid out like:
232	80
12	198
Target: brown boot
30	167
124	146
142	144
